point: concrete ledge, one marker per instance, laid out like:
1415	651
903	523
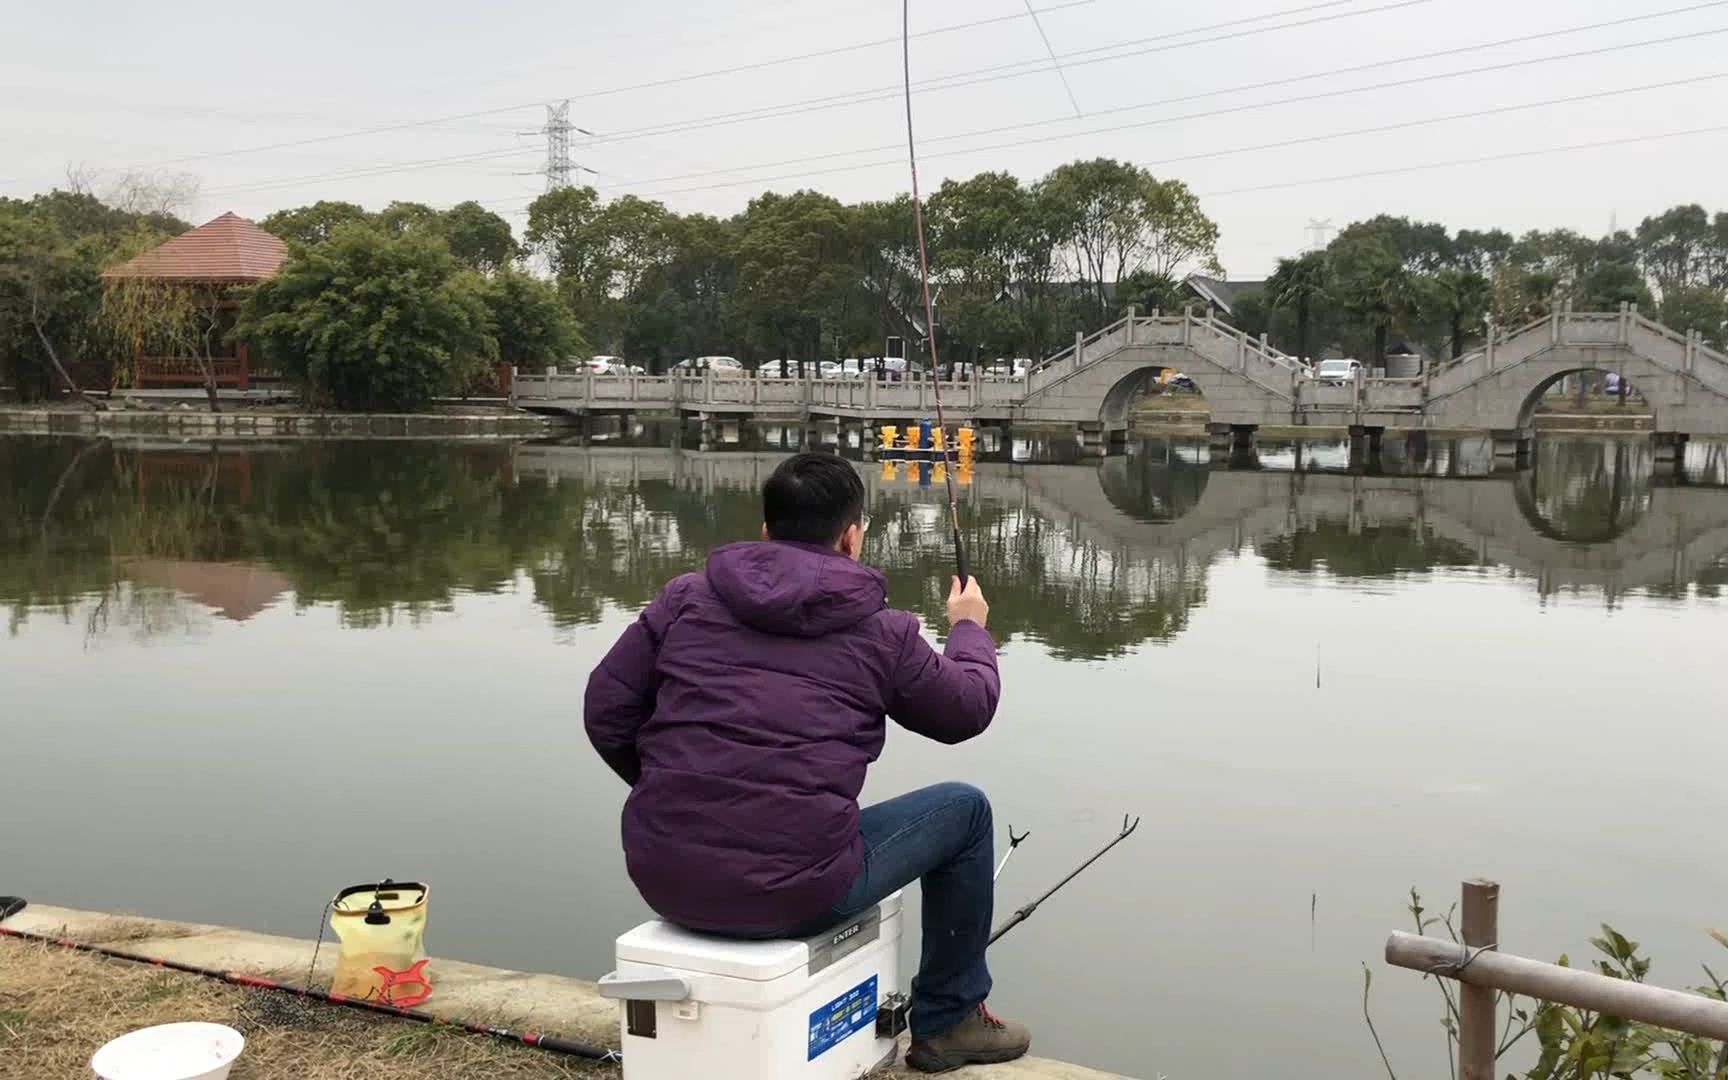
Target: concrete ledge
552	1004
248	423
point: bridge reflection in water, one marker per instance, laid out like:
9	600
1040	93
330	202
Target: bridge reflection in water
1087	559
1093	558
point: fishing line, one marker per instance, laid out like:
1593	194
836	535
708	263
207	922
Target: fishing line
960	561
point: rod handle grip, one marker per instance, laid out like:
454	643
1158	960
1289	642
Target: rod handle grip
961	562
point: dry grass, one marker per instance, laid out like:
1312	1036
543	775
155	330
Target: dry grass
58	1006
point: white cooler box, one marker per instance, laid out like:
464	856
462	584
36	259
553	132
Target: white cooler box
827	1008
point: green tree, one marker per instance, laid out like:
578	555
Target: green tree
885	245
1697	307
1611	277
480	239
793	270
50	292
1374	287
1464	294
602	254
369	321
1300	285
1113	218
314	224
402	218
1675	247
530	322
975	231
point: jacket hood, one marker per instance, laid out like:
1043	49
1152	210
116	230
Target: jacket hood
794	590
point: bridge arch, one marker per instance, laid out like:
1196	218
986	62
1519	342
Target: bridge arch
1118	400
1534	397
1682	384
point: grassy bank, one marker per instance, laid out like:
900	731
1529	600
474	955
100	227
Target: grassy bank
57	1007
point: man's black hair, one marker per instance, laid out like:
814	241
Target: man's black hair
812	499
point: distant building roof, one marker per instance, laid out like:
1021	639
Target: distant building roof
1220	292
228	249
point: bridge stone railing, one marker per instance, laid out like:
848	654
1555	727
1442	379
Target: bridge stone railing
1245	379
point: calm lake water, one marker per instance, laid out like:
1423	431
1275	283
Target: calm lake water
239	677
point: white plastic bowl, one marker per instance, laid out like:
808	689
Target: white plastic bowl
192	1051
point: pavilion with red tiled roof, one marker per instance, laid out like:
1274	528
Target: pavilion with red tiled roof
226	252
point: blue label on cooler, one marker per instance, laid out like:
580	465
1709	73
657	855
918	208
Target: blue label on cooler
850	1012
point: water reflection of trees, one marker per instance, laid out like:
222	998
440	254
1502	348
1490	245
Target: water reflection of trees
1364	552
380	531
621	545
383	530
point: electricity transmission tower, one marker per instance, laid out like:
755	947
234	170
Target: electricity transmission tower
557	131
1319	234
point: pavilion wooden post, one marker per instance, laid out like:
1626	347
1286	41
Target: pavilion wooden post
1476	1027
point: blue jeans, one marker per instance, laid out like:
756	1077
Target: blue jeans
943	836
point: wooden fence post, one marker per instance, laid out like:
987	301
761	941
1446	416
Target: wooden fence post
1476	1030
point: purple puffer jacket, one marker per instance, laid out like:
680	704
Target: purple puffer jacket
743	707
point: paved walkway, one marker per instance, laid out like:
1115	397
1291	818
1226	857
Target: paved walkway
549	1003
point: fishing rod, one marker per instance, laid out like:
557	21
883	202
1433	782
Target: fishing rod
1025	913
960	560
10	905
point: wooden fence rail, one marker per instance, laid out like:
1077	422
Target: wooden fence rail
1481	969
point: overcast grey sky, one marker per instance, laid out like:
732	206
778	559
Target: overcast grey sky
113	84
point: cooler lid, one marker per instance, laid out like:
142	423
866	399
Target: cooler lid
666	945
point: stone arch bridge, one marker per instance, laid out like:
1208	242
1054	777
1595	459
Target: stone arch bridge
1681	531
1247	384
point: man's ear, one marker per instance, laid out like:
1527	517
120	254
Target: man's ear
852	542
764	530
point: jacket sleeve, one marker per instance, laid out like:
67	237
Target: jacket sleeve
622	688
948	696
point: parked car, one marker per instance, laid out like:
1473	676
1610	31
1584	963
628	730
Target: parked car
828	369
1337	372
606	365
724	366
1003	369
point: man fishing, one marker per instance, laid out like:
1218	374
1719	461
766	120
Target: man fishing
743	707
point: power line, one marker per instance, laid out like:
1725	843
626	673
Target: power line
367	171
1227	91
409	125
1002	72
620	136
1285	144
1460	162
1050	51
837	50
364	171
1203	115
1345	91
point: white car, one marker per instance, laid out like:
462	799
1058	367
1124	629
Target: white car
1337	372
606	365
724	366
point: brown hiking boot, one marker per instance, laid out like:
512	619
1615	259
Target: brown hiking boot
980	1039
